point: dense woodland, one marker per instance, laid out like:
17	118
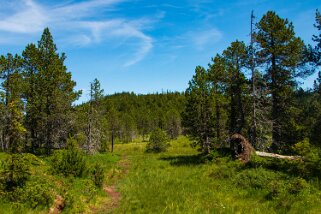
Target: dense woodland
252	88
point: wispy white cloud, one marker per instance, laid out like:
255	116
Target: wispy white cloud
31	19
202	38
77	24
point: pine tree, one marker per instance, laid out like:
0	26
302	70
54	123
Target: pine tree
235	58
50	95
32	93
217	76
12	85
282	53
198	114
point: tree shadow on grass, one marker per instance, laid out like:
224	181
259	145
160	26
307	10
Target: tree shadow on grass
184	160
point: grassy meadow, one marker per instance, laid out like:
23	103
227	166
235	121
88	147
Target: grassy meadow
176	181
181	181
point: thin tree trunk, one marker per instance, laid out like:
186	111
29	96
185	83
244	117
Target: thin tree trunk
275	107
218	121
112	141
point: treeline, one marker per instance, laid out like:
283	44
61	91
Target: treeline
126	116
253	90
37	113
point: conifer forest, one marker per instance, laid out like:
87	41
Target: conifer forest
243	137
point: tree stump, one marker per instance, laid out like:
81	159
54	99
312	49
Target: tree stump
241	148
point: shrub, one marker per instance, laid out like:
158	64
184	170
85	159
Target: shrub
98	175
158	141
70	161
14	171
255	178
35	193
311	164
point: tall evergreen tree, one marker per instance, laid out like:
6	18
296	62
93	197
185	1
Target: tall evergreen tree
282	53
198	114
235	58
51	93
217	76
32	93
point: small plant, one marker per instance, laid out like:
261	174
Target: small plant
98	175
70	161
158	141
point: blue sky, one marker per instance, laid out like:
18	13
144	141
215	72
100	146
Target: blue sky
143	46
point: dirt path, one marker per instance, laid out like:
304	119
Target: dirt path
114	196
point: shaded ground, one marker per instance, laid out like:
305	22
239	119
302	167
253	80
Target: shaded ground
183	160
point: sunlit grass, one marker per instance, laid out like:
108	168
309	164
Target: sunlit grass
178	181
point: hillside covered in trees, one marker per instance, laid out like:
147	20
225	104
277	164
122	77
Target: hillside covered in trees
114	153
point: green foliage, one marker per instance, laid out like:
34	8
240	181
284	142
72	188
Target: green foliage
316	132
257	178
198	113
311	163
283	54
70	161
98	175
15	171
20	187
317	39
49	94
37	192
81	192
12	87
158	141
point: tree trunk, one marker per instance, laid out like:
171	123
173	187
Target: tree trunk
218	121
112	141
275	107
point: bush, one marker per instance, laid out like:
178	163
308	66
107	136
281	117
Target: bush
70	161
158	141
35	193
311	164
14	171
255	178
98	175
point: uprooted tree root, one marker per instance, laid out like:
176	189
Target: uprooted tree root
241	148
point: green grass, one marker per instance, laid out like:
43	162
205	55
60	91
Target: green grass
180	181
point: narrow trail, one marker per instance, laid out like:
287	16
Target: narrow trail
114	197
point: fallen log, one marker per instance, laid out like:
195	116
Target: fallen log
242	150
273	155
